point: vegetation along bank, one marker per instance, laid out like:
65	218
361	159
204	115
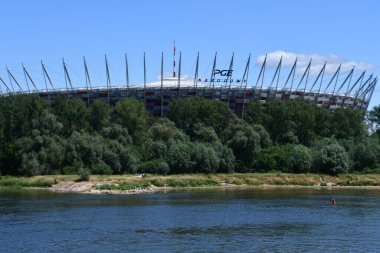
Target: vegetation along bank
197	136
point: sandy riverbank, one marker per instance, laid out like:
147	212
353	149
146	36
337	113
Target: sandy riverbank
92	188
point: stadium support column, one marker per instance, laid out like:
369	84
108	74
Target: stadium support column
320	75
371	93
27	76
67	76
291	74
179	75
162	85
353	86
277	74
306	73
9	90
307	76
367	91
229	77
174	49
361	88
45	73
144	82
126	73
88	80
10	80
349	76
64	73
336	75
196	75
261	75
320	83
46	79
14	79
212	77
1	90
26	79
345	80
108	80
245	79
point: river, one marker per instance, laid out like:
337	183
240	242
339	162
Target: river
243	220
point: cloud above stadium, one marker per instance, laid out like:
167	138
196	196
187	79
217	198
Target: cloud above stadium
333	62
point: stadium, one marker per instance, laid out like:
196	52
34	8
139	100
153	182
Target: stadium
339	89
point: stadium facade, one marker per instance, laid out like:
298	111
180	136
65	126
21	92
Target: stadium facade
330	92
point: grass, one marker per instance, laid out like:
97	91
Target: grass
159	181
128	182
38	181
123	186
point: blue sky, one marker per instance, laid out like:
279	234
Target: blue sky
342	30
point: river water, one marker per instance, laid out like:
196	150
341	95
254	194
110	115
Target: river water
247	220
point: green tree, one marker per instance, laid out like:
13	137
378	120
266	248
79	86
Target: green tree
255	113
291	121
134	117
301	159
154	167
348	123
245	144
117	133
323	125
178	157
226	158
374	118
366	154
205	158
72	113
188	112
275	158
279	120
9	158
18	113
330	157
100	115
204	133
265	141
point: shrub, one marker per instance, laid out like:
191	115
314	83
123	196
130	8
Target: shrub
154	167
301	159
204	157
84	174
178	157
101	169
276	158
330	157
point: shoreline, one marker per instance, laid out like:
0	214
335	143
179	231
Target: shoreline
88	188
149	183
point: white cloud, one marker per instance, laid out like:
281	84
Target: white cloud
333	62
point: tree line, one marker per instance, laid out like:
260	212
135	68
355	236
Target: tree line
197	135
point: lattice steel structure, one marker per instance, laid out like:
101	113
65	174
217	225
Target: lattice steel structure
351	92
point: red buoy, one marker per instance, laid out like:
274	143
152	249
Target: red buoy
333	201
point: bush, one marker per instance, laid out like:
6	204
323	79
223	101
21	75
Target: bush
330	157
154	167
276	158
301	159
101	169
204	157
84	174
178	157
227	159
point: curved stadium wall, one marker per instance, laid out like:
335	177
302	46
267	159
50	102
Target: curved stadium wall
156	96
